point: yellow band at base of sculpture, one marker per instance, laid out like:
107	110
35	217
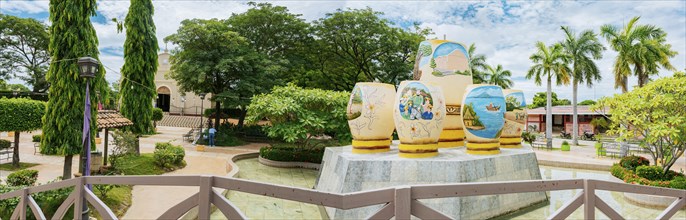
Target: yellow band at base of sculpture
370	151
483	148
452	134
481	152
449	144
418	155
516	140
510	145
417	147
371	143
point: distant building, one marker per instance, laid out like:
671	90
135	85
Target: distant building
562	118
169	98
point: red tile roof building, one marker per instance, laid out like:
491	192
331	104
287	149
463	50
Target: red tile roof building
562	118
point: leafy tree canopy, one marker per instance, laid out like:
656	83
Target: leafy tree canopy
540	100
654	114
12	87
24	49
296	114
210	58
356	45
21	114
587	102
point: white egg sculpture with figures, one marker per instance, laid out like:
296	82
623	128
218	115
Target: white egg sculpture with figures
368	116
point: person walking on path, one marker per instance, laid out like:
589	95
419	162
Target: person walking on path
212	131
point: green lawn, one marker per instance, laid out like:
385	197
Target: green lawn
138	165
9	167
118	200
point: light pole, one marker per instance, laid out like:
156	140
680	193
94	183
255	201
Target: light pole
88	67
202	109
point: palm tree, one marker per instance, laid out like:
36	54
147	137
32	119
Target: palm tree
477	65
582	50
499	76
549	62
642	46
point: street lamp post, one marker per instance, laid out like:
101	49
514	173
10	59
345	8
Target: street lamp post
88	67
202	110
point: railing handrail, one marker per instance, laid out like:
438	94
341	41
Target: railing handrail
394	198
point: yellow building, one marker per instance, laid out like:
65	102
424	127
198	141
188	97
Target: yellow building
169	98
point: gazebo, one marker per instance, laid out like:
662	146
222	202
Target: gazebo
110	119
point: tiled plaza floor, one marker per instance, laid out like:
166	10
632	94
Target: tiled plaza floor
262	207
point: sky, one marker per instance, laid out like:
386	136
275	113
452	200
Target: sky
504	31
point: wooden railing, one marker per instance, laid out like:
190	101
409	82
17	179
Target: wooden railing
399	202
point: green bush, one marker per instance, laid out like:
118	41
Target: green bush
169	156
5	144
649	172
36	138
618	171
677	184
125	143
296	114
631	162
22	178
292	154
49	201
157	115
21	114
565	146
528	137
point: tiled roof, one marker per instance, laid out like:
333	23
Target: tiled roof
568	110
112	119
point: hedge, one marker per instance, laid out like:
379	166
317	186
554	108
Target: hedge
22	178
677	181
21	114
4	144
292	154
169	156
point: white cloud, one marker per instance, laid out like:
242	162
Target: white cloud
504	32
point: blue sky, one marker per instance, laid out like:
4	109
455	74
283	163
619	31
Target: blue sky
505	31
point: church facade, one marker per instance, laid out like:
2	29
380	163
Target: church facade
169	98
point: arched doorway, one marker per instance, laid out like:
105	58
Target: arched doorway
163	98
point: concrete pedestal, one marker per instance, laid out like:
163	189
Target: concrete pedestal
344	172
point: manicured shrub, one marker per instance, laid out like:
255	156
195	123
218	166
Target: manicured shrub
169	156
292	154
565	146
631	162
22	178
649	172
36	138
677	184
4	144
618	171
157	115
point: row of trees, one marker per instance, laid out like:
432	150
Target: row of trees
642	47
250	52
485	73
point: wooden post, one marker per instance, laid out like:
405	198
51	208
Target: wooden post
204	197
79	198
104	163
589	199
403	202
23	202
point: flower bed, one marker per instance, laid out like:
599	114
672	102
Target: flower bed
635	170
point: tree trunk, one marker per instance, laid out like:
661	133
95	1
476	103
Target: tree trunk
241	119
217	114
575	116
66	171
415	72
15	154
549	116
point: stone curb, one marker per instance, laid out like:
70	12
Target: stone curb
281	164
598	167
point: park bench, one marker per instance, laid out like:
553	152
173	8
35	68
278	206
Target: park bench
540	142
189	136
6	153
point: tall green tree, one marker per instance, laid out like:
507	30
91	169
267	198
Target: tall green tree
72	36
356	45
549	62
274	32
582	51
640	46
210	58
499	76
24	49
477	65
140	67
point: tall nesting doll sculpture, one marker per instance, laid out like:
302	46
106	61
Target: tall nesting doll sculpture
515	117
446	63
419	115
369	118
483	109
